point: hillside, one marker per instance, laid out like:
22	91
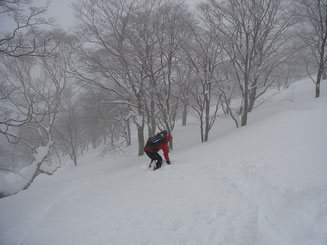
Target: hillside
261	184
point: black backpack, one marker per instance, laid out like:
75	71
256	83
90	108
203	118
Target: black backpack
155	141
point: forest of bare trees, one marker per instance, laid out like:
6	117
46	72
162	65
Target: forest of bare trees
134	67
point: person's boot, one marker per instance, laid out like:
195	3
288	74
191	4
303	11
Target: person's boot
150	165
158	164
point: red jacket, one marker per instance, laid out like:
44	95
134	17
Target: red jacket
163	146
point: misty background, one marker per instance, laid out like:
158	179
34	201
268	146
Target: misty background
121	68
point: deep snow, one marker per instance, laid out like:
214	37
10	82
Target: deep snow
261	184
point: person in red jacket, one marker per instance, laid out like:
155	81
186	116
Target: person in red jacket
156	143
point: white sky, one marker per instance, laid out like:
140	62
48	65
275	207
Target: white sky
62	11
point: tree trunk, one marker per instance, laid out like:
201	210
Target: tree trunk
245	106
128	132
321	63
75	160
38	164
112	139
244	117
140	134
201	127
318	89
319	75
74	155
184	118
149	124
324	75
153	121
207	114
252	98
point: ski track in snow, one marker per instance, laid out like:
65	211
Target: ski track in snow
262	184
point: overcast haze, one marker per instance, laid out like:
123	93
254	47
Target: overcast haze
62	11
240	85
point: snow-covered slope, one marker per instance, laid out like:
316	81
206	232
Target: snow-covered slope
264	183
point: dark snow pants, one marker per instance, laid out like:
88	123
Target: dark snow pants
154	156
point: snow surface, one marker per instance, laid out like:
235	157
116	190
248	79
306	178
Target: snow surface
260	184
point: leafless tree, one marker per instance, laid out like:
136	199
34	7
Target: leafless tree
203	57
111	64
29	111
25	37
117	118
312	14
17	95
68	128
294	68
252	34
51	87
144	45
186	85
163	31
24	40
173	33
135	49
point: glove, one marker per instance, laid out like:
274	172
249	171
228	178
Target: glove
168	162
